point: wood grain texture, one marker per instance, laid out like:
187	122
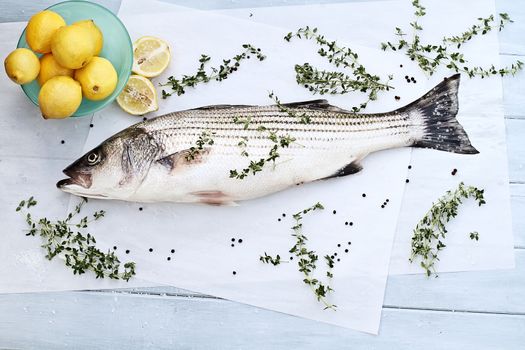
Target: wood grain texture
418	313
68	321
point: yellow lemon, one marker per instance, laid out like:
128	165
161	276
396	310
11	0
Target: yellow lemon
41	28
98	78
151	56
49	68
96	33
138	96
72	46
59	97
22	66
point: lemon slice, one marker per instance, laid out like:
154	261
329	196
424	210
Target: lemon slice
151	56
138	96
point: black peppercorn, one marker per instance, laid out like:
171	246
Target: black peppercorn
240	240
127	251
172	251
150	250
234	272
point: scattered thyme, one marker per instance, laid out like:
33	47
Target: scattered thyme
267	259
65	239
203	140
255	166
331	82
428	236
307	260
202	75
303	118
430	56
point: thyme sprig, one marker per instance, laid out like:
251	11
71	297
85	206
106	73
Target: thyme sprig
203	140
65	239
307	260
430	57
430	232
331	82
255	166
228	66
268	259
303	118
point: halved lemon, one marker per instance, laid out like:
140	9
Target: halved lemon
151	56
138	96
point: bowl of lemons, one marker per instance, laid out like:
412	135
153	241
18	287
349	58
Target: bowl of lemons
72	59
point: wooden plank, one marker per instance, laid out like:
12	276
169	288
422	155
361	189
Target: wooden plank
513	89
509	37
109	321
467	291
516	149
518	210
18	11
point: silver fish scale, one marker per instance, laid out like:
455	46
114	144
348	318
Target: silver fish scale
326	130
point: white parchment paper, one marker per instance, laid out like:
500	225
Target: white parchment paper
204	259
368	24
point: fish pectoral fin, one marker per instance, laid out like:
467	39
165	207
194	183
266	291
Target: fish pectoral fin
349	169
184	157
214	198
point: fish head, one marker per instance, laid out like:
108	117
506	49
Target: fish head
114	169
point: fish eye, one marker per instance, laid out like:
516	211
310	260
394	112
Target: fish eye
93	158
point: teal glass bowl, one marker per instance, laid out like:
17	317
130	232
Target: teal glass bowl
117	48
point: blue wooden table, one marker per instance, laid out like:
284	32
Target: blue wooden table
476	310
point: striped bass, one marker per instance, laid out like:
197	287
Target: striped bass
225	153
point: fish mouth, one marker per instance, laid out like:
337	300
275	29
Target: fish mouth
77	178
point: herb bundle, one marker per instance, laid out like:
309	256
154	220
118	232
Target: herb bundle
431	56
64	238
428	236
307	260
227	67
331	82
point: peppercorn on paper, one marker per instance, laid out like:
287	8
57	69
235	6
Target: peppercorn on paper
480	112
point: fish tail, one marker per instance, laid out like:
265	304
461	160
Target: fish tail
434	119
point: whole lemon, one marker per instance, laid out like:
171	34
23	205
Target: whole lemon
22	66
96	33
59	97
72	46
41	28
98	79
49	68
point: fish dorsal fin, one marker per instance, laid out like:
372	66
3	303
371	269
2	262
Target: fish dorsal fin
314	104
308	104
205	108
